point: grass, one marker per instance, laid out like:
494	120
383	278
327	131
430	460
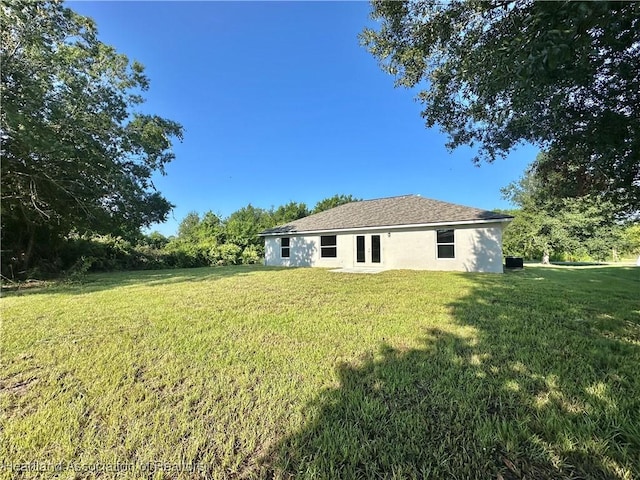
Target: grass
265	373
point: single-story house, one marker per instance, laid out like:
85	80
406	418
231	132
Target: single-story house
410	232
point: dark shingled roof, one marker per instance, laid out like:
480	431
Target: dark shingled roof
382	212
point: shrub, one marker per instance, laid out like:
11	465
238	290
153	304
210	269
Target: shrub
226	254
182	254
250	255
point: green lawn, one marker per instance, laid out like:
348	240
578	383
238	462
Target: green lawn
253	372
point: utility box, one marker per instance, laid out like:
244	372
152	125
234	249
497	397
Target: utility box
514	262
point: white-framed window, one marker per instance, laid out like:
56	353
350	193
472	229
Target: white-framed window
328	246
285	249
446	243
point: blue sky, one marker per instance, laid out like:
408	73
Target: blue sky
279	102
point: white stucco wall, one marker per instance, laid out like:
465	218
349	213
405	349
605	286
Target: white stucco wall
478	248
304	251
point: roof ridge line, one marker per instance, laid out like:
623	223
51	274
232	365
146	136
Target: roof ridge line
392	196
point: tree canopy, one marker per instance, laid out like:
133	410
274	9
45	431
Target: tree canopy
77	154
334	201
563	228
288	213
244	225
562	75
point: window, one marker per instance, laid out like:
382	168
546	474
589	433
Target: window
285	251
328	246
446	244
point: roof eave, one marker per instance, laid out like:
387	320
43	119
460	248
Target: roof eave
388	227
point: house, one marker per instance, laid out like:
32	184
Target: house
410	232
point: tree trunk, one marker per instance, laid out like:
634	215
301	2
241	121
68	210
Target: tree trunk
26	257
545	258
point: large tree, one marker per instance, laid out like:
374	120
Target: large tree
545	226
289	212
334	201
243	226
77	153
561	75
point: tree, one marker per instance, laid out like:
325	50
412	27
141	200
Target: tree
569	228
289	212
194	229
631	239
155	240
212	226
199	241
76	154
332	202
188	228
561	75
244	225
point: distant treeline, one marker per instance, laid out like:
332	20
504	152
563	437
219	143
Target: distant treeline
548	227
202	240
568	236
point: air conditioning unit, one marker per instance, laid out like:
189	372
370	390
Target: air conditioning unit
514	262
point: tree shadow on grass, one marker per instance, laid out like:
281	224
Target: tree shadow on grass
536	377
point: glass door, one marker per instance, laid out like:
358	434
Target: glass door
368	250
360	253
375	248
